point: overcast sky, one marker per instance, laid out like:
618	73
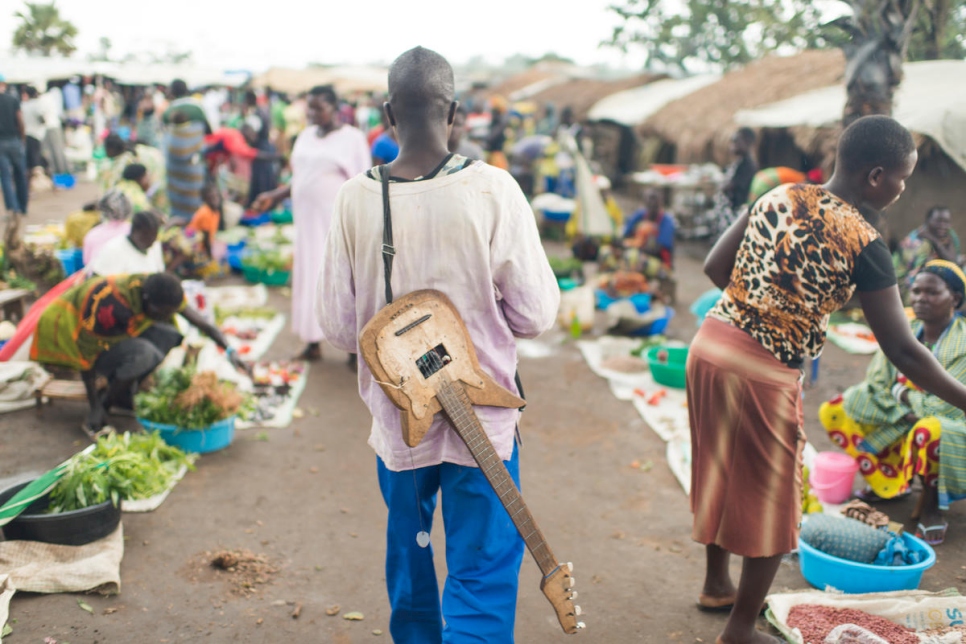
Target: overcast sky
253	35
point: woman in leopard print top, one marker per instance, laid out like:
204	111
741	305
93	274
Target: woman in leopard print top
794	258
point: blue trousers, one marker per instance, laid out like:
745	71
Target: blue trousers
13	174
483	556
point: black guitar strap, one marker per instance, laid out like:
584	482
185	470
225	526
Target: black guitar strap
388	250
389	253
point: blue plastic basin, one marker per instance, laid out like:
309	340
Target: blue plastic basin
71	259
821	570
200	441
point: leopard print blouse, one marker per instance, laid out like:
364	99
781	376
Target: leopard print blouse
793	269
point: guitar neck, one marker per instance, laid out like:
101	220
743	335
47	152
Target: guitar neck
458	407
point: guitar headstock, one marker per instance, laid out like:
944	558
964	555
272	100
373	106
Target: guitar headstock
558	587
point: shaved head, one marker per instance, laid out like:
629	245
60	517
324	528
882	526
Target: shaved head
421	86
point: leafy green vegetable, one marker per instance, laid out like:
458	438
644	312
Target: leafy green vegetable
121	466
256	312
647	343
565	267
167	402
268	260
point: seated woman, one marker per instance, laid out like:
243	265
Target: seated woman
894	430
651	230
935	239
119	327
119	155
139	252
134	184
116	214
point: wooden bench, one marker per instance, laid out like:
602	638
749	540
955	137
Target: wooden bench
61	390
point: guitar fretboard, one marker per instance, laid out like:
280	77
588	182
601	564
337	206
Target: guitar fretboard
458	407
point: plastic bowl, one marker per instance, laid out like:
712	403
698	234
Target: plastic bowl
672	372
256	220
199	441
281	218
557	215
656	327
641	301
64	180
822	570
274	278
74	528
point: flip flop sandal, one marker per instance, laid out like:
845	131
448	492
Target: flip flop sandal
709	604
91	434
923	533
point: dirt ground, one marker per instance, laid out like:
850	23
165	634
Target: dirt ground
306	502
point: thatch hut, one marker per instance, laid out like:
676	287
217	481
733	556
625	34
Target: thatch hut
581	94
614	118
928	102
700	125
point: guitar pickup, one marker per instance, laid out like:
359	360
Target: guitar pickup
433	360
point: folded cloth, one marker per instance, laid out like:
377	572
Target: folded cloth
896	553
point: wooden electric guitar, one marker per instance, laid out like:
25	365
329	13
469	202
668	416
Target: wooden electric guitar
420	352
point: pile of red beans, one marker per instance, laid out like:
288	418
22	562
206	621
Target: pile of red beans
816	622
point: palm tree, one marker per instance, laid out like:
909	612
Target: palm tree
879	34
43	30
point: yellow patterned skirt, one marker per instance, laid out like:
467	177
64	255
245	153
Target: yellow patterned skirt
890	472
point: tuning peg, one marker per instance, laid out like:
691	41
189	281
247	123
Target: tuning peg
572	581
570	566
581	625
577	610
573	595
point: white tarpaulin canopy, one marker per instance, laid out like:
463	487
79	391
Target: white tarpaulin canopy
633	106
346	80
931	101
39	71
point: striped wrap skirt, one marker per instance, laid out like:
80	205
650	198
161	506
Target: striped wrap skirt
747	438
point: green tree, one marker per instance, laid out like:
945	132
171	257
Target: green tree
720	34
43	30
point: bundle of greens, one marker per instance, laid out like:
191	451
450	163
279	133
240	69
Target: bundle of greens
187	400
566	266
268	260
121	466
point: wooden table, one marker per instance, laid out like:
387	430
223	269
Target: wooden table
13	304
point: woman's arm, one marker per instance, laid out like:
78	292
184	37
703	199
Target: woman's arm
721	260
887	319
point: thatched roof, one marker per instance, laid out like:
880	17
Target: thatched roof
701	123
581	94
544	73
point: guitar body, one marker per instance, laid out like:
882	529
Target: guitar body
421	354
393	359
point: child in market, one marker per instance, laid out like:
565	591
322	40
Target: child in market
207	219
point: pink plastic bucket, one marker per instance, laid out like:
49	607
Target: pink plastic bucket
832	475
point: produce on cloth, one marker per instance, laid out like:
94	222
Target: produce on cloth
268	260
647	343
816	622
121	466
187	400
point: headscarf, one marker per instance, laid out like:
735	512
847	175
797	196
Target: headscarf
115	206
950	273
